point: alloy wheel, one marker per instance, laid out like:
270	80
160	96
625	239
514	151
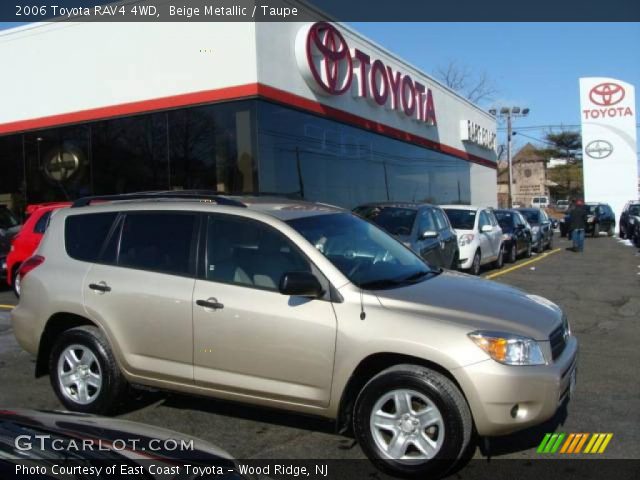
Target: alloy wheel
406	426
79	374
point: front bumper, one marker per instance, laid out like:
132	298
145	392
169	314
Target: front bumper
466	255
505	398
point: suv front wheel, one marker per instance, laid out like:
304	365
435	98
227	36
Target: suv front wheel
84	373
410	420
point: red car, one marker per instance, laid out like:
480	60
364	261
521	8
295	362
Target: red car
27	240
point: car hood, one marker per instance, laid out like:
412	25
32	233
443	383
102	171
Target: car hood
480	304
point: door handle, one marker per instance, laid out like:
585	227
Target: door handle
211	303
101	287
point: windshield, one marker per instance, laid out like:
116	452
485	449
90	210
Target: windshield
461	219
634	210
505	219
7	219
366	255
395	220
532	216
590	209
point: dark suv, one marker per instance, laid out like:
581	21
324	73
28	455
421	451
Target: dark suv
600	218
630	221
541	228
423	228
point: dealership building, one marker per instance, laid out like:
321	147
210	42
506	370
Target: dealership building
313	110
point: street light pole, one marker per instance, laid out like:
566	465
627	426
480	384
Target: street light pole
509	135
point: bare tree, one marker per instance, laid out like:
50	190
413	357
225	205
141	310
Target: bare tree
476	87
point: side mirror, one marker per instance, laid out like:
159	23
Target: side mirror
428	234
486	228
300	284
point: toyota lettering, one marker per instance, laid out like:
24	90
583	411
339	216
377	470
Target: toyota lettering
604	96
330	67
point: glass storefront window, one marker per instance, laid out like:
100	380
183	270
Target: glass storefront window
323	160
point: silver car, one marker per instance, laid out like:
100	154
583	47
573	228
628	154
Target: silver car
297	306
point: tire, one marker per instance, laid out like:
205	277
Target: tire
475	265
550	244
455	263
540	246
612	231
15	284
447	430
622	233
529	249
97	370
513	253
499	262
596	230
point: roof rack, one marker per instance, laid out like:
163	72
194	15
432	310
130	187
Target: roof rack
169	194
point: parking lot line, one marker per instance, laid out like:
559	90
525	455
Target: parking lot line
10	307
520	265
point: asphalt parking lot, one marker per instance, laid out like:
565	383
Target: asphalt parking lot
598	289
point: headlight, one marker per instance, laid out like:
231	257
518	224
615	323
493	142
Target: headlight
590	219
509	349
535	229
465	239
506	236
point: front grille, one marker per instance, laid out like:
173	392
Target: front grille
558	342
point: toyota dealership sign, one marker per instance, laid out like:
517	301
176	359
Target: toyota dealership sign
610	161
331	67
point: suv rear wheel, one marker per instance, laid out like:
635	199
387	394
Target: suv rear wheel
410	420
84	373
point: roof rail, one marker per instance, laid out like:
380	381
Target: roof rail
153	195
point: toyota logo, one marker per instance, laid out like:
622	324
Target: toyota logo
606	94
329	58
599	149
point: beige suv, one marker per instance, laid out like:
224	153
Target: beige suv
299	306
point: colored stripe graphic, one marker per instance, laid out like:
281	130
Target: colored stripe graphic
572	443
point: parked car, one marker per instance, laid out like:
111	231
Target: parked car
479	236
292	305
541	228
600	218
516	234
25	243
69	440
562	205
423	228
9	228
630	220
540	202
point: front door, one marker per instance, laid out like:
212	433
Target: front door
248	338
429	248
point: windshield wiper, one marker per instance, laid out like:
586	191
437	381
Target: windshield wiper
394	282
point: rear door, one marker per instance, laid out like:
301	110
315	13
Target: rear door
141	288
254	341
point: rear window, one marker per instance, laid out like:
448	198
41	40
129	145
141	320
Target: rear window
84	235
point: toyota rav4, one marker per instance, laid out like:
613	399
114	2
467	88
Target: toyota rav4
299	306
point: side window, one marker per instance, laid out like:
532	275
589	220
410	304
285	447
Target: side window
492	218
484	219
441	220
42	223
85	234
158	241
249	253
425	222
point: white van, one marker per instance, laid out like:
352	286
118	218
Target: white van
540	202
